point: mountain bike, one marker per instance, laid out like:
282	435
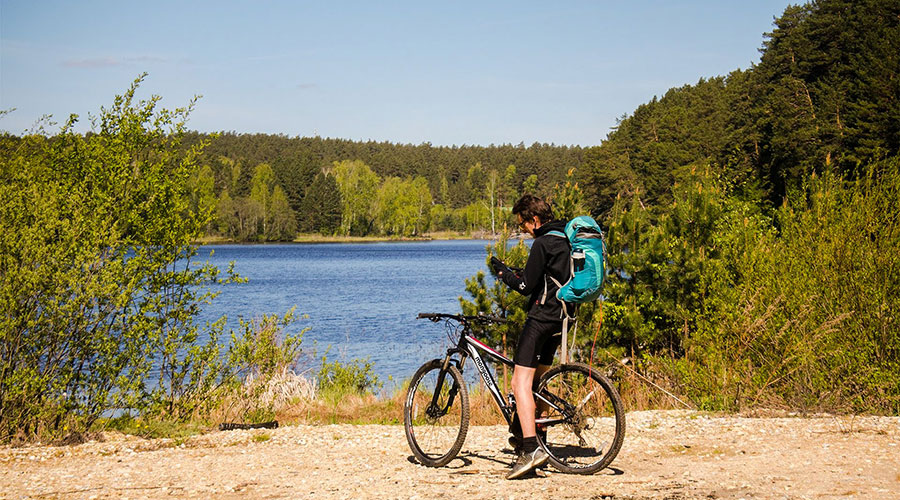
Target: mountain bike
582	428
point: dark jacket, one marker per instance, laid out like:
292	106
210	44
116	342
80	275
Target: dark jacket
549	255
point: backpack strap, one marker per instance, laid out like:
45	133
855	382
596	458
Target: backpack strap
566	319
558	234
565	310
564	355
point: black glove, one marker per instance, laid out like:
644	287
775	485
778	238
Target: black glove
498	266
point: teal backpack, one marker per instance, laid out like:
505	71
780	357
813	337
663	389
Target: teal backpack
587	259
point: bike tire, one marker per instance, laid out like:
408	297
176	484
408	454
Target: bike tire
435	437
587	439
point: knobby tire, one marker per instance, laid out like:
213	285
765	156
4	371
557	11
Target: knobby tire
436	436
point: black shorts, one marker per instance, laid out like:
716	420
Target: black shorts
538	342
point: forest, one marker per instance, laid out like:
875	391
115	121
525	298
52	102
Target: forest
752	225
268	188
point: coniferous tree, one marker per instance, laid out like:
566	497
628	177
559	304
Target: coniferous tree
321	208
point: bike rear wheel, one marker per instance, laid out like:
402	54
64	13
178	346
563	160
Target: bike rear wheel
586	434
436	427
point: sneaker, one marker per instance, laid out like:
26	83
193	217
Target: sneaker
528	462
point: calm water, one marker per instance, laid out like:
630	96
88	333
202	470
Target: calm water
361	299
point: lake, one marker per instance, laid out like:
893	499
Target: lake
362	299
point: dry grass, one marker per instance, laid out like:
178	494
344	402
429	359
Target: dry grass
638	395
483	409
280	391
295	400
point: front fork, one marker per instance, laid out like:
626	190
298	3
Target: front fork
434	409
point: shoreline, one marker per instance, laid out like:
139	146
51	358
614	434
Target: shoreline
303	239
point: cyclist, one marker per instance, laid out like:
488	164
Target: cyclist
540	337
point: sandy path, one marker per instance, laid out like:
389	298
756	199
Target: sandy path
667	454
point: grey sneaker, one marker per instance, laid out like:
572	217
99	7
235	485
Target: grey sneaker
528	462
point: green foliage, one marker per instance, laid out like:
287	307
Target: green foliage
264	348
824	93
744	315
337	379
281	223
530	184
659	259
264	215
321	207
567	203
403	206
358	185
498	173
687	125
100	281
259	370
203	198
96	266
744	303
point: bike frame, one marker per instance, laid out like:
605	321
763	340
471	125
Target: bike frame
469	346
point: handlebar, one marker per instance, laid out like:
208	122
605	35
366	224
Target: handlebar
481	318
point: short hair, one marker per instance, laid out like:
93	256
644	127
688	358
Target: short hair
530	206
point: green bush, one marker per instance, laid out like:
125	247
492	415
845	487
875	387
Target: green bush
99	281
337	379
96	263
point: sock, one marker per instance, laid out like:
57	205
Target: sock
529	444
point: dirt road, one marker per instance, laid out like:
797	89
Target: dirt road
666	455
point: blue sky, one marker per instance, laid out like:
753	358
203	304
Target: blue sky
406	72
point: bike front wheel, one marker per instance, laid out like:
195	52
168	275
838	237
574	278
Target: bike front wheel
585	425
436	414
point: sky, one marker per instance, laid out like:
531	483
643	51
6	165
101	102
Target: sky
445	73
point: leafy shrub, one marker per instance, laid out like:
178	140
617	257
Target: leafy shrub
98	281
99	284
337	379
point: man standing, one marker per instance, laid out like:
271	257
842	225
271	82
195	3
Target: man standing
549	257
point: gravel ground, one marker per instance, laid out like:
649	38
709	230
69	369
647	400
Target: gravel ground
666	455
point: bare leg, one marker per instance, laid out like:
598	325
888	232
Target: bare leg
522	379
541	406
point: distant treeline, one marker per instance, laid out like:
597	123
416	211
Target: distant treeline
267	187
